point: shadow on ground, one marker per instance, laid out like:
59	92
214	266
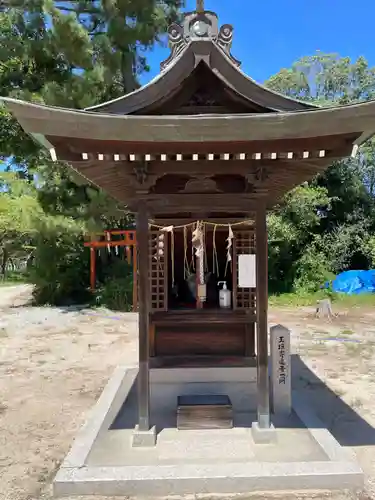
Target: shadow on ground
345	424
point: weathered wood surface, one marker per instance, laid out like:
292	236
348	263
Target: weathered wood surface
201	361
202	316
153	132
262	318
144	310
204	412
200	339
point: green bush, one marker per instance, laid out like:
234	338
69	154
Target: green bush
115	268
312	271
347	247
61	263
117	294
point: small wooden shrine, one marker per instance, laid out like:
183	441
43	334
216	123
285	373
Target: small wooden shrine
199	154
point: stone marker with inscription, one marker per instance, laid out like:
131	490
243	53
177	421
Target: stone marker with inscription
281	389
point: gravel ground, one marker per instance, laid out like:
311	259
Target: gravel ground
54	362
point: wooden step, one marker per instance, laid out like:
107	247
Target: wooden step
196	412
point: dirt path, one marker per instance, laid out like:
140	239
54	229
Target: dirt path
55	362
53	365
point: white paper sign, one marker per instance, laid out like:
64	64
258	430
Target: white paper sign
246	271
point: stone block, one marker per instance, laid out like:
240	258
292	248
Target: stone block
263	435
144	439
281	388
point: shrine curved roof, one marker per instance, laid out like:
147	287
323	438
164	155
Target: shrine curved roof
125	145
60	122
188	49
132	119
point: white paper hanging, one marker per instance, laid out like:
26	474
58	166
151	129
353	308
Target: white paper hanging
246	271
229	244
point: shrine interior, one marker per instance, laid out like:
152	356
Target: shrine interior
182	269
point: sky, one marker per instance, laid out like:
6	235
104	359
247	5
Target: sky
272	34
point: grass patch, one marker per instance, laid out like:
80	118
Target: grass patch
346	332
14	278
310	299
295	299
5	283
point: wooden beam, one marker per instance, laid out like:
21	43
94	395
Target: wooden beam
263	407
104	244
117	232
177	221
203	202
172	209
74	146
183	167
134	254
216	167
144	310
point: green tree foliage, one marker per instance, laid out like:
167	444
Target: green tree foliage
19	212
292	227
326	79
325	226
60	271
73	54
80	53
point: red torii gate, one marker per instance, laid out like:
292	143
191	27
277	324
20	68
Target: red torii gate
129	241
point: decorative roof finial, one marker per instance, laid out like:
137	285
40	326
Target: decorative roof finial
200	5
199	25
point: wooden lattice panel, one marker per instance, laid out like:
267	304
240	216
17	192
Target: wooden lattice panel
158	255
243	244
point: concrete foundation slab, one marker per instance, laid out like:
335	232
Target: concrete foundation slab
103	461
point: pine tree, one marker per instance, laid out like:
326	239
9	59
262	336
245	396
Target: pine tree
73	54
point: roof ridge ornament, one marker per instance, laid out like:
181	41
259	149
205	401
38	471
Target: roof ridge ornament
200	25
200	6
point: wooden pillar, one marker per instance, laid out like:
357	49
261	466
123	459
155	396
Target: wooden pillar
92	268
263	409
128	254
135	278
144	309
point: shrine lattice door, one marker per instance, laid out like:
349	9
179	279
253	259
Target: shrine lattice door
243	244
158	255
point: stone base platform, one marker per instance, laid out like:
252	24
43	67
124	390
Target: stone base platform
103	461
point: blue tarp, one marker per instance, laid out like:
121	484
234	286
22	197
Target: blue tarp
355	282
